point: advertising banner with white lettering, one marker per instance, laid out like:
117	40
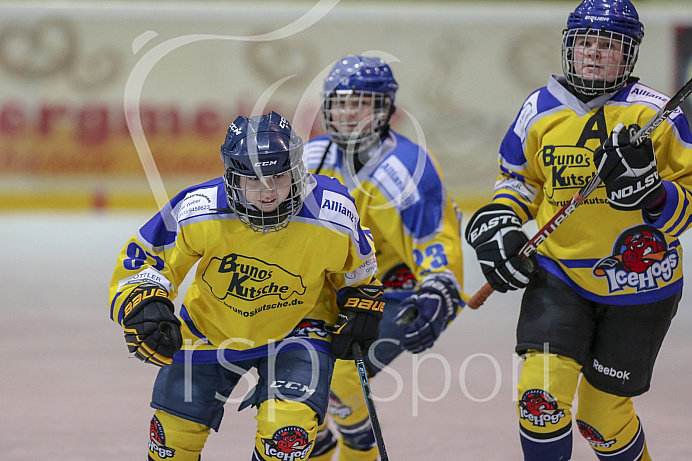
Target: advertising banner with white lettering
120	106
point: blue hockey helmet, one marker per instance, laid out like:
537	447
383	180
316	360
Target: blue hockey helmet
611	15
358	101
260	150
610	28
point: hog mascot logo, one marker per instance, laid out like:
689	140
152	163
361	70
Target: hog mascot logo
399	277
539	407
337	408
640	260
157	440
593	436
288	444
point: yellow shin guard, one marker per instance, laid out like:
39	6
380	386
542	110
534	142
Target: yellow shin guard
171	437
608	422
285	430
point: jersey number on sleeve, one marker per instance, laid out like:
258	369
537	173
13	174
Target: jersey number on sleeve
137	257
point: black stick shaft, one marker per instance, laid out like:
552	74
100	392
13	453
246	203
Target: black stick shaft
365	384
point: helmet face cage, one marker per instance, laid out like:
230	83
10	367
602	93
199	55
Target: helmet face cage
356	120
595	62
265	176
358	101
600	45
247	196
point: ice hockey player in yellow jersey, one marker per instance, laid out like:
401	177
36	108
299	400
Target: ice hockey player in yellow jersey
282	262
609	279
398	188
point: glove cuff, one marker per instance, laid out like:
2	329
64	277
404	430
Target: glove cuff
444	285
143	295
446	278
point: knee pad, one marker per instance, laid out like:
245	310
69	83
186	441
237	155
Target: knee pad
610	425
346	402
285	430
171	437
546	391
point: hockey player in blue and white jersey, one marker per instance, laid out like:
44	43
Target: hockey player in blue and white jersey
609	279
401	198
282	260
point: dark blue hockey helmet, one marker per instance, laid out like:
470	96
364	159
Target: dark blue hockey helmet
361	73
358	101
263	151
611	15
613	27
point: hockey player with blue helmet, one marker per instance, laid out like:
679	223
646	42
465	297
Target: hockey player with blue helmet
398	188
604	287
282	262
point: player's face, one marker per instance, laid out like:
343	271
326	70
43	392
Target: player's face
267	194
598	58
352	113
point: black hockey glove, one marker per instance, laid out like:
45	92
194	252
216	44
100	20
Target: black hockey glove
431	308
359	320
495	233
152	331
628	172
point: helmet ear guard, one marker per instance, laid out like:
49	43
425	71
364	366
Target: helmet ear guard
263	148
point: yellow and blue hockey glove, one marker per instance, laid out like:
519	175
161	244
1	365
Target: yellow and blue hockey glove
628	172
428	312
495	232
152	331
360	312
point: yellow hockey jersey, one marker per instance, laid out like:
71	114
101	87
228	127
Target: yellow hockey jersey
252	293
402	199
609	256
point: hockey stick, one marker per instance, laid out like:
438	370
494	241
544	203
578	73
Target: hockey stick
531	246
365	384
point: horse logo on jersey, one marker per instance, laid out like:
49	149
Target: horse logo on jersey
640	260
250	279
157	440
593	436
539	407
287	444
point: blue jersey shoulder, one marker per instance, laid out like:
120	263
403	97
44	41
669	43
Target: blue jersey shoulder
323	186
638	93
537	105
194	201
314	151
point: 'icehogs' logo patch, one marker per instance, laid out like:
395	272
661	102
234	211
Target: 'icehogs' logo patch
593	436
640	259
157	440
337	407
288	443
539	407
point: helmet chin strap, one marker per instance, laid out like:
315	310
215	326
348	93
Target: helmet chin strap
593	88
